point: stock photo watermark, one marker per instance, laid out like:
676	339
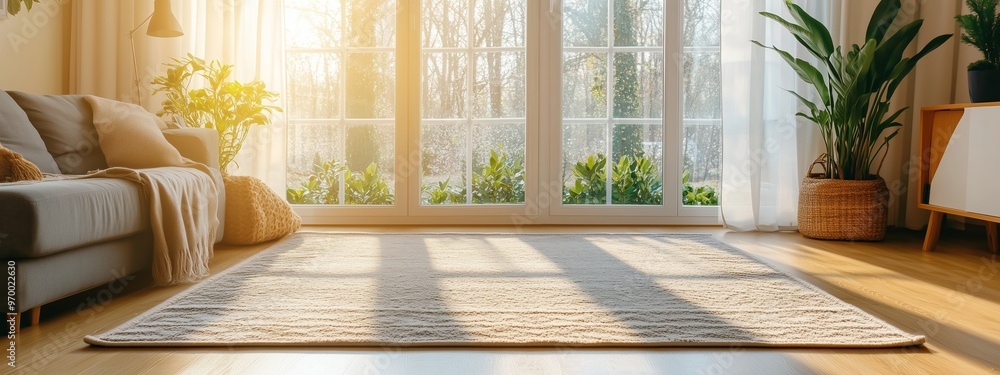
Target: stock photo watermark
42	15
11	302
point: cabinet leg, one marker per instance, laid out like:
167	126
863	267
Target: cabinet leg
933	231
993	237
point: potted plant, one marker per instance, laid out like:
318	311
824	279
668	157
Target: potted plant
982	30
853	86
228	106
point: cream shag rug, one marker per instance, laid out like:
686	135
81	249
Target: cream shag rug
568	290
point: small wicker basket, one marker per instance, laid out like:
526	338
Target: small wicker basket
846	210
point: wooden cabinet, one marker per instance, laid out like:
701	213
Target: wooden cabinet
960	166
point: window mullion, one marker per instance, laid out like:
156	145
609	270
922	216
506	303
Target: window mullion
610	98
470	80
342	103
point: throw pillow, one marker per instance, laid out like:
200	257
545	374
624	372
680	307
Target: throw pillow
66	125
254	213
130	136
18	134
14	167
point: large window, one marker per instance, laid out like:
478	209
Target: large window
435	107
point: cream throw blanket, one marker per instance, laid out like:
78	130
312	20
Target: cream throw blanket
183	200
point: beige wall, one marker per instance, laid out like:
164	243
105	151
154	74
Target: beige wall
34	49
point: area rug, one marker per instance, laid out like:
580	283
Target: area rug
564	290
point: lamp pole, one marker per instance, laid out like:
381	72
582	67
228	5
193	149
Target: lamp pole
135	63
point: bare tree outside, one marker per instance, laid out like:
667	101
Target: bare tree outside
473	98
341	64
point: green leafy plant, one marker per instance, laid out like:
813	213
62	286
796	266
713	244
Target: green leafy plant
228	106
979	65
635	180
443	193
14	6
982	30
366	187
322	186
589	182
854	88
499	181
697	195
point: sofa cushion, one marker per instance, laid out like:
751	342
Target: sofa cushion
17	134
52	216
66	124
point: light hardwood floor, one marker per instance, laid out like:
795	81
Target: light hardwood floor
952	296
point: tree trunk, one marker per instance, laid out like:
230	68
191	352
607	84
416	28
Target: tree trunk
627	97
362	87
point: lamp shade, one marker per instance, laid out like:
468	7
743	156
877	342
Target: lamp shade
162	23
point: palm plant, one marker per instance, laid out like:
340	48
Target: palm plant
982	30
854	88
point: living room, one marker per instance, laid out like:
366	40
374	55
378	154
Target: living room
500	186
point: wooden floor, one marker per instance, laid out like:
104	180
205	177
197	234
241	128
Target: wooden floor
952	296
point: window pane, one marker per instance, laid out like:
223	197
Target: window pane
370	160
445	85
498	163
316	24
602	154
371	85
314	93
584	163
445	23
443	163
638	85
500	85
310	146
501	23
638	23
702	106
341	68
474	102
371	23
585	85
702	163
702	23
702	85
585	23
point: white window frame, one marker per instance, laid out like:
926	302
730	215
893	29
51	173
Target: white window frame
543	126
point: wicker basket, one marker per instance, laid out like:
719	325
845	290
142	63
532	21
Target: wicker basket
847	210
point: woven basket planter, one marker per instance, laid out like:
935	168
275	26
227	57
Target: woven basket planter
846	210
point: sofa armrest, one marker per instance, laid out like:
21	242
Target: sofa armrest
198	144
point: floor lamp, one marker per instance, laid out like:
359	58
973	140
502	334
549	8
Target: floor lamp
162	24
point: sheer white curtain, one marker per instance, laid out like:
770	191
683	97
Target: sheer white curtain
766	149
247	34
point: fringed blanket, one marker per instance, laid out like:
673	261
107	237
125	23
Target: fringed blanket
182	194
183	206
